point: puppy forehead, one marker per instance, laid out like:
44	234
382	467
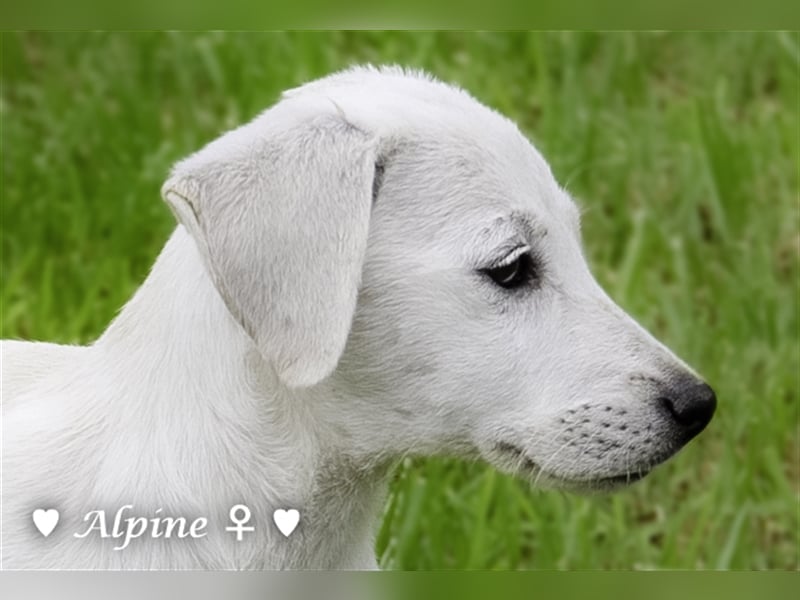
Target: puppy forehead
454	158
483	188
387	98
396	104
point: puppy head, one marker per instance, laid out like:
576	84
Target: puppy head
388	237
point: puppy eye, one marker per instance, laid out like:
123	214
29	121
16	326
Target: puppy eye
517	273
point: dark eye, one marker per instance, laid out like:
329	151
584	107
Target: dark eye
514	274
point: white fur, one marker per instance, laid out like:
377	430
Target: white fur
294	339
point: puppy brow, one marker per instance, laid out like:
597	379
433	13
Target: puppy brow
507	233
528	226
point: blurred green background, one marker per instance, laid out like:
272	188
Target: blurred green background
681	147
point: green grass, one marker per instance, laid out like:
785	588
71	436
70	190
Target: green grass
682	148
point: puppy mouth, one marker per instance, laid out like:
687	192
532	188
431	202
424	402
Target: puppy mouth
523	465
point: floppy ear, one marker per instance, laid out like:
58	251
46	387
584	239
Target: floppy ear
279	209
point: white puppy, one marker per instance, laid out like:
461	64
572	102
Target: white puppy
377	265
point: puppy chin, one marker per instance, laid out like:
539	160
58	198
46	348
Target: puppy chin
597	485
512	459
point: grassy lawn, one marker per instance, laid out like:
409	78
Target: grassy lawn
682	149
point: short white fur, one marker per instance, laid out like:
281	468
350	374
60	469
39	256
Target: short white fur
296	336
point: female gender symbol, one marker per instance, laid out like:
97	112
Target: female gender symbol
239	527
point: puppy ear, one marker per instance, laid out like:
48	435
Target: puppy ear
279	209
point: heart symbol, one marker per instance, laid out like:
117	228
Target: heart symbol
286	520
45	520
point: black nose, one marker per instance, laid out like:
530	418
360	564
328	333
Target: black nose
691	405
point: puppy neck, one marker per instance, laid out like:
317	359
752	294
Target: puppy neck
217	416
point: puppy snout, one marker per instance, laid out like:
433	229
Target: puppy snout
689	404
